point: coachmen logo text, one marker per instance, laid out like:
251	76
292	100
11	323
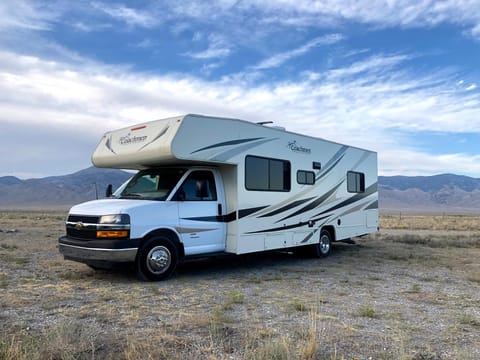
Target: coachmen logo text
128	139
292	145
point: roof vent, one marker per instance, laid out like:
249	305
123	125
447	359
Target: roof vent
273	127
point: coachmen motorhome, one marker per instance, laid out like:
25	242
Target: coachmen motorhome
207	186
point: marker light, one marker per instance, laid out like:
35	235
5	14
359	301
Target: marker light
112	234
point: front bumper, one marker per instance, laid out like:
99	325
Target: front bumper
112	251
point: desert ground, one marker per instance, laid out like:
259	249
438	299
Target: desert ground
411	291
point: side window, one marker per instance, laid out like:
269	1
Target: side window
305	177
198	186
355	182
264	174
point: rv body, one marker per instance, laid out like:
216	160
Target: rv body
209	185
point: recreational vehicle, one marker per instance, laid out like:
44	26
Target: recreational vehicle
207	186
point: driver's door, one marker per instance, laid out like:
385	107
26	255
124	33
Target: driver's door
201	226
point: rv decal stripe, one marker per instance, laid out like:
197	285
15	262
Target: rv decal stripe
205	218
230	217
184	230
369	191
228	154
287	207
226	218
226	143
313	204
287	227
308	237
333	161
245	212
372	206
156	137
108	144
330	168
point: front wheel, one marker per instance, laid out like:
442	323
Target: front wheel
324	246
157	259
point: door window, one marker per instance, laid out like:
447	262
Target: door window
198	186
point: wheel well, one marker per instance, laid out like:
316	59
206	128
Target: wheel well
331	230
170	234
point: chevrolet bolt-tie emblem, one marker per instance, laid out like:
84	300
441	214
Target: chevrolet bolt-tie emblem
79	226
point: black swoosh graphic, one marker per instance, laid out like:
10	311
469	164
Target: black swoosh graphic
286	207
369	191
157	137
313	204
287	227
227	143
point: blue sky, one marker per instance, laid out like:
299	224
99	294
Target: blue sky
398	77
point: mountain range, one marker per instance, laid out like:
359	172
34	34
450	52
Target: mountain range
59	191
447	193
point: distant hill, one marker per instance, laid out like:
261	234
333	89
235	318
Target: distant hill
439	193
434	194
56	191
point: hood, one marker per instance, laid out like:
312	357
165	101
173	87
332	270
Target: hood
109	206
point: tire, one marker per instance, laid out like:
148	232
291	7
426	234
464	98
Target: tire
324	245
157	259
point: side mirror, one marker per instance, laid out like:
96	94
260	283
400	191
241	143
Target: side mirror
109	191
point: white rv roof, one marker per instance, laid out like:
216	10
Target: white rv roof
188	138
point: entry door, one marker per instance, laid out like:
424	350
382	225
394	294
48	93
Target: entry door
201	225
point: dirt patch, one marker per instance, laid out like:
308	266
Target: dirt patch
401	295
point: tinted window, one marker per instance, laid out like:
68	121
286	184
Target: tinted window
355	182
198	186
267	174
305	177
153	184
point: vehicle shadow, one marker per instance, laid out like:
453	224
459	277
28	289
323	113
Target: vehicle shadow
258	262
239	265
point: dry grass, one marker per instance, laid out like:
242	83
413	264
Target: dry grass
433	222
406	296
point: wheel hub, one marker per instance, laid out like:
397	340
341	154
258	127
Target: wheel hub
324	244
158	259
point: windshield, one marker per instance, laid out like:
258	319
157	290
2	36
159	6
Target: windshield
152	184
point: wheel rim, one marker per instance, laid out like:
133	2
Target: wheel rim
324	244
159	259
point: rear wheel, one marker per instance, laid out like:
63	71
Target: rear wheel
324	246
157	259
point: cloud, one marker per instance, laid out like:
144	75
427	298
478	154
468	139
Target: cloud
428	164
217	48
332	13
260	17
26	15
360	104
132	17
405	13
279	59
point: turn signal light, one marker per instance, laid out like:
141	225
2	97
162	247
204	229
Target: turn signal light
110	234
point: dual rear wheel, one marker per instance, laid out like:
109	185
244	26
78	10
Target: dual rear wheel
324	246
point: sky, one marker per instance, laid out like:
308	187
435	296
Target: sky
401	78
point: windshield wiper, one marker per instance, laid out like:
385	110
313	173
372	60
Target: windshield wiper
130	196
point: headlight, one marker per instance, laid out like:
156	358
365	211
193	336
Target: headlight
113	227
115	219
